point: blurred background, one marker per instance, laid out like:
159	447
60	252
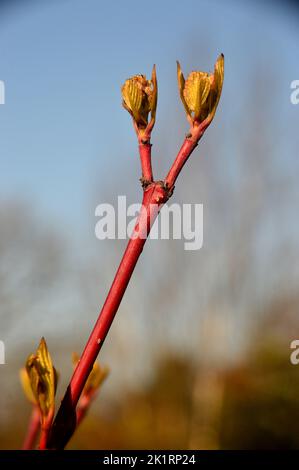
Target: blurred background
199	353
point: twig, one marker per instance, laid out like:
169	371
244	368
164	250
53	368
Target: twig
154	197
155	193
45	430
33	429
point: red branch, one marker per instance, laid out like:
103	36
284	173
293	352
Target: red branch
154	196
83	406
46	429
183	155
43	439
33	429
189	144
146	162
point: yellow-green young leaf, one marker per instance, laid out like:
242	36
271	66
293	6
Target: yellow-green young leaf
197	88
140	98
26	385
153	94
43	378
218	83
181	84
201	92
132	96
95	378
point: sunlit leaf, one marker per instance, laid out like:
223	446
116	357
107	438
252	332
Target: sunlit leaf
154	95
181	84
26	385
201	92
196	91
140	98
43	378
218	82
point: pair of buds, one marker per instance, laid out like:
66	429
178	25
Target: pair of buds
200	95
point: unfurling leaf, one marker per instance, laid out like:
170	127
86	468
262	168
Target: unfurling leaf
181	83
218	79
42	378
201	92
26	385
140	98
196	91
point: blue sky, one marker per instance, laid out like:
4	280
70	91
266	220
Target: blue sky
64	136
63	129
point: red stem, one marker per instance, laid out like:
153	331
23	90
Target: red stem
189	144
83	406
45	430
43	439
33	429
146	161
183	155
116	293
155	195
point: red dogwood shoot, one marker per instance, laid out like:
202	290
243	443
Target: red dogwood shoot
200	94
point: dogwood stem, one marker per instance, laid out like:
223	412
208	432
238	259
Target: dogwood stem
82	409
43	439
189	144
154	196
183	155
45	430
146	162
33	429
200	95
